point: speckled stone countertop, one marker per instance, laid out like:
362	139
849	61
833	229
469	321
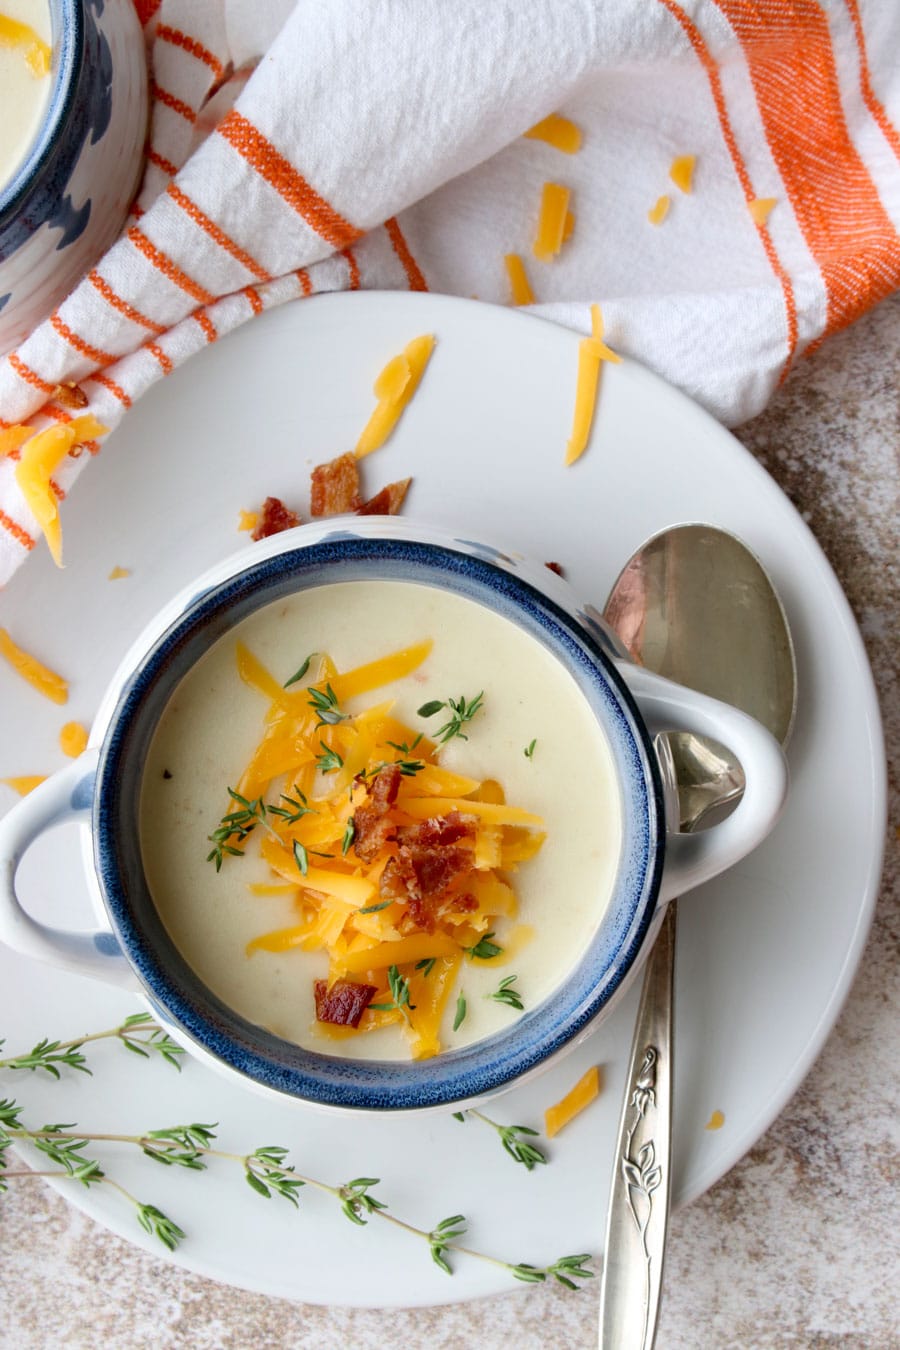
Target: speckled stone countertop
797	1246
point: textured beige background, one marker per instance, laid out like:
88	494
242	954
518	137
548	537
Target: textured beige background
798	1246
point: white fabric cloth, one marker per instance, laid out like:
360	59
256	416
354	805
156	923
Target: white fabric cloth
379	143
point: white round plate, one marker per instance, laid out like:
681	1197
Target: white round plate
766	954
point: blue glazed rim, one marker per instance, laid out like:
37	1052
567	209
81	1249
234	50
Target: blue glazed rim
454	1075
69	42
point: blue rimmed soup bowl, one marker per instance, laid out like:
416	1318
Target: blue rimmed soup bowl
64	202
130	944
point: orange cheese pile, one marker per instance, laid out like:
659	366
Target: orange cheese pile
551	221
393	389
331	886
46	681
557	131
73	739
682	171
14	33
585	1091
25	783
591	351
41	454
522	294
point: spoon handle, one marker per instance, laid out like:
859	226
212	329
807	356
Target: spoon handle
639	1196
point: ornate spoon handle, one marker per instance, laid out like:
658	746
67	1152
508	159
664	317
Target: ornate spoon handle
639	1198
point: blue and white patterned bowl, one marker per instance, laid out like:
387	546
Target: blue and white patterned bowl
132	946
67	201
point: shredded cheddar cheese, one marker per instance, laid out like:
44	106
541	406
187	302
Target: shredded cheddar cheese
118	573
715	1122
760	208
557	131
551	221
25	783
682	172
568	227
591	351
342	906
586	1090
522	294
73	739
657	214
44	680
394	389
248	520
41	455
14	33
12	437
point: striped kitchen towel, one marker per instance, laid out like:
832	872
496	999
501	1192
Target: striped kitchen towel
296	148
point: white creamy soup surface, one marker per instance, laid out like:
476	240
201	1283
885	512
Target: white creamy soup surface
214	722
23	95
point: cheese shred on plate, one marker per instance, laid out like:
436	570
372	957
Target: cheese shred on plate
73	739
44	680
591	351
682	172
41	454
657	214
551	222
522	294
393	389
25	783
398	866
586	1090
557	131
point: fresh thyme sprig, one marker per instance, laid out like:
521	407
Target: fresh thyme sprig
139	1033
461	1010
506	994
483	949
234	828
298	674
399	988
329	761
529	1155
266	1171
325	704
349	836
462	710
301	857
528	752
426	966
297	807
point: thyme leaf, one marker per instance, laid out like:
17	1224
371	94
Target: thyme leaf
301	857
461	1010
484	949
462	710
329	761
298	674
506	994
325	704
528	752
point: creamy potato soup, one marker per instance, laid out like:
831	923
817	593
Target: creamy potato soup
24	78
451	860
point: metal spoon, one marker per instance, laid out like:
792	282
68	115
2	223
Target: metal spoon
695	605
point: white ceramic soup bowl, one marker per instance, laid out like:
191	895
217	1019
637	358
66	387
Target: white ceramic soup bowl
130	945
66	200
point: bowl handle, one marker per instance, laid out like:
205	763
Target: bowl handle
692	859
67	795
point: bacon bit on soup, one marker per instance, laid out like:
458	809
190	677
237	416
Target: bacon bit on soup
344	1003
274	518
372	825
393	389
41	677
388	501
392	862
334	487
585	1091
69	395
591	352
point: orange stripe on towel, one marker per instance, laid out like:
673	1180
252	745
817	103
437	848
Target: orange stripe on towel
95	354
161	162
794	73
255	299
886	126
188	44
280	174
28	375
695	37
115	389
216	233
303	277
353	267
206	324
401	248
161	357
21	536
165	265
169	100
111	298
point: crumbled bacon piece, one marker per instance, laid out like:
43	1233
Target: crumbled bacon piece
555	567
387	502
70	395
334	487
344	1003
273	518
430	859
372	825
